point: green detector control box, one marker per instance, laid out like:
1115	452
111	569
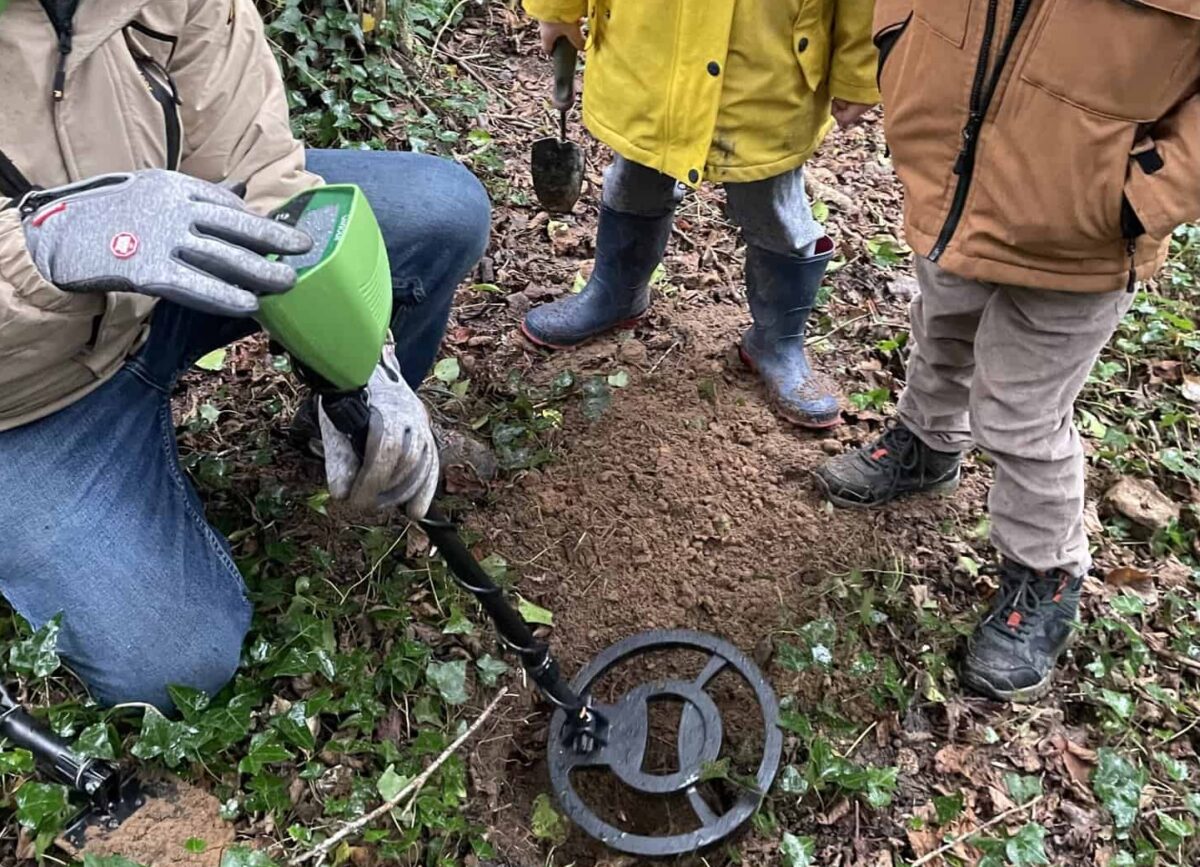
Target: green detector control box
335	320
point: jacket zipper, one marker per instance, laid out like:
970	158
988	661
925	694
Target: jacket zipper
160	84
60	69
981	102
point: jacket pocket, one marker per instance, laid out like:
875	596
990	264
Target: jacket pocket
810	42
885	41
947	18
1129	60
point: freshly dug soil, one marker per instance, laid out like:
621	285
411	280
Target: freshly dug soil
688	505
156	835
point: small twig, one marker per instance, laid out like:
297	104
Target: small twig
408	791
1186	661
433	52
854	745
670	349
479	78
963	838
1180	734
841	326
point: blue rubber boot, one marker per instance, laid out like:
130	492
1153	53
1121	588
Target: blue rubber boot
782	291
628	249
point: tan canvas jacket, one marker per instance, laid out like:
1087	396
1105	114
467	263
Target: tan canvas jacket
1096	103
182	84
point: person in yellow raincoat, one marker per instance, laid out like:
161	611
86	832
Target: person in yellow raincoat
738	92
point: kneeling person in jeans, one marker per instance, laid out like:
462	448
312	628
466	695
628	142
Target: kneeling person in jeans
1043	180
134	260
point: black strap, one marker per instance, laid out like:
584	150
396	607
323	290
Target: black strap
13	183
1150	160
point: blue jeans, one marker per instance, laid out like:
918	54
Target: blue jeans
99	522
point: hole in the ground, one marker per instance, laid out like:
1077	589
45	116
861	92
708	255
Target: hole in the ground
632	811
662	739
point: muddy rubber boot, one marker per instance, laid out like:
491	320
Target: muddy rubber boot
782	291
628	249
895	465
1014	649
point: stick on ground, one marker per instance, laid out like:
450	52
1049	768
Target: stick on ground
408	791
1020	808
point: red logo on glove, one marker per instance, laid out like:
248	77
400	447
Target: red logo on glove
124	245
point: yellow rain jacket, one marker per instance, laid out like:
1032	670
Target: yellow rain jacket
723	90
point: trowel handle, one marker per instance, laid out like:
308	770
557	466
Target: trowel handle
91	777
565	57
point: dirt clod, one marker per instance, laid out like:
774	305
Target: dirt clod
158	834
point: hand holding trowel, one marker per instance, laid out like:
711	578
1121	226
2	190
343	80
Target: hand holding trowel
557	163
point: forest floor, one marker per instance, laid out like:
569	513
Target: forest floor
646	485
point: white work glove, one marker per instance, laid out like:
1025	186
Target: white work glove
400	466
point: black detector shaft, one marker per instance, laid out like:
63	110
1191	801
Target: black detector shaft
110	797
585	730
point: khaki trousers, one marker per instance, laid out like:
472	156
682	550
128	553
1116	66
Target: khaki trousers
1000	367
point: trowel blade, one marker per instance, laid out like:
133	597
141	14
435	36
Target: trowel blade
557	174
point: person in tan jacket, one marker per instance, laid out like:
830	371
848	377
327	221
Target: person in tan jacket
1048	149
125	255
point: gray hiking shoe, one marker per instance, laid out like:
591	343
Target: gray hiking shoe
1014	649
898	463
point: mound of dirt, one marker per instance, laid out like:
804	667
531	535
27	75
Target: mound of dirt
689	504
158	834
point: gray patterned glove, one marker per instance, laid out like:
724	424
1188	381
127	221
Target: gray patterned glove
400	466
159	233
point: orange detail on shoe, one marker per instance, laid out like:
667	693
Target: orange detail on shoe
879	454
1014	620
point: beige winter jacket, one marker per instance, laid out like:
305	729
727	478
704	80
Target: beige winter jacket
115	113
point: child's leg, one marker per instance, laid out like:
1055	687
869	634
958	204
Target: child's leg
632	188
786	257
1033	354
775	214
922	452
943	320
635	224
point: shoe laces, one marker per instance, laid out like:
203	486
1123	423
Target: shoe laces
1024	598
897	451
